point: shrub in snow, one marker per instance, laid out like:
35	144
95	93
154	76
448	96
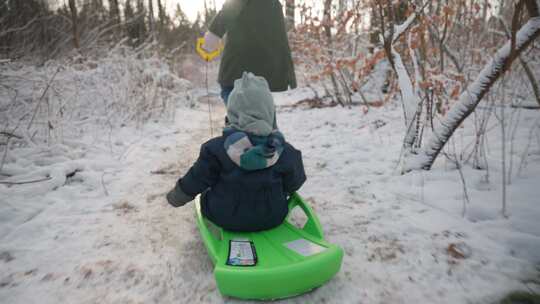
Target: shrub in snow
68	106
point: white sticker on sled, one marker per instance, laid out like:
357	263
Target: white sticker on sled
304	247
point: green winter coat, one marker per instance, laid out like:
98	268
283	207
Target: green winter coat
256	42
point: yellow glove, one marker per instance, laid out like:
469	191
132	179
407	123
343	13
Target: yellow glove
209	47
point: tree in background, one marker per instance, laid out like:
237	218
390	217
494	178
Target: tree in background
520	38
131	25
23	28
210	11
329	49
435	51
74	24
163	19
30	29
140	24
290	12
151	26
114	10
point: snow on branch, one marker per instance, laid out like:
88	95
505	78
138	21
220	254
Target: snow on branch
400	29
17	29
408	95
470	98
410	99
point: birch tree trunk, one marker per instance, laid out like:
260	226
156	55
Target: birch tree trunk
472	96
410	99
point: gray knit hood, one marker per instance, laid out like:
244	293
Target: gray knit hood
250	107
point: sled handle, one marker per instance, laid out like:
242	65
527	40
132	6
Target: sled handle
207	56
312	226
211	242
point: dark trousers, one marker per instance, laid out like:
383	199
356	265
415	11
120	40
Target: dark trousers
225	92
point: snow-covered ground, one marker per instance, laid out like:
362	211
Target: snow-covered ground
399	232
107	234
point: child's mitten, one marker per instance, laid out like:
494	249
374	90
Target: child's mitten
177	198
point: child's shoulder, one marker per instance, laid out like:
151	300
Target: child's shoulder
288	145
291	153
213	144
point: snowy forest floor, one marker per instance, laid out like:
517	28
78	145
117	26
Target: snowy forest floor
108	235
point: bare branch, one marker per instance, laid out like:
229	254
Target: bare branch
475	92
26	182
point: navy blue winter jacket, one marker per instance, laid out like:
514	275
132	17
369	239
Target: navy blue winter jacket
238	199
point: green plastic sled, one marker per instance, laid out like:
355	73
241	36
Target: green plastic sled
290	260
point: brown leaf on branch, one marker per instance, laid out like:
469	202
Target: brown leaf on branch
455	92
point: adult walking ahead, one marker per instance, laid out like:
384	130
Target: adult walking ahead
255	41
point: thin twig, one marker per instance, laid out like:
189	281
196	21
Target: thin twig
9	135
4	156
502	120
41	98
18	29
26	182
459	167
524	155
103	184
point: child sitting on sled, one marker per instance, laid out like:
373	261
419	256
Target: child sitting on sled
245	175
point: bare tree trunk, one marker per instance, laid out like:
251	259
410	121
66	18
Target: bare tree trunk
469	99
161	15
392	31
327	19
74	23
532	79
525	65
290	11
115	10
151	17
342	6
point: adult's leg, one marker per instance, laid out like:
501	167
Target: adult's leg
225	92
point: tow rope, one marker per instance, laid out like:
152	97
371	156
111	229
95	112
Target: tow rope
208	100
207	57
